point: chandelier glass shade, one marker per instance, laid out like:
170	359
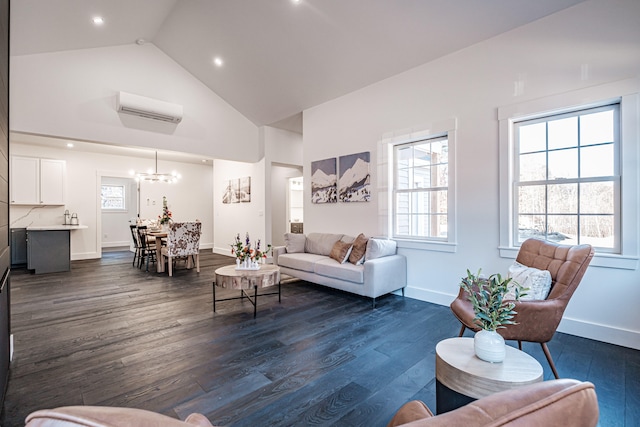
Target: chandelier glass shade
155	176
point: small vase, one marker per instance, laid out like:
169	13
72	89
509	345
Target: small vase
489	346
237	262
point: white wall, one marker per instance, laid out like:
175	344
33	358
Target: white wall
592	43
283	159
72	94
233	218
189	199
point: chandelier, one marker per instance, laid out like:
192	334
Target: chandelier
151	176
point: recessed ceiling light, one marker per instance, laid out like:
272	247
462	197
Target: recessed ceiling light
98	20
295	1
70	144
218	61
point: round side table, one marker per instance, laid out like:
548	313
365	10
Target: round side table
461	377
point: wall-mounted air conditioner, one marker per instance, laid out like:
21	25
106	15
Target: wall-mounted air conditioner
149	108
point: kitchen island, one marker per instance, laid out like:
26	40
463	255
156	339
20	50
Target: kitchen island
49	247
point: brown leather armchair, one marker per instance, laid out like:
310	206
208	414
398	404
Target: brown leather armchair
538	320
104	416
563	402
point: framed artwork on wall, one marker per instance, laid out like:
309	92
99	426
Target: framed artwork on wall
354	183
323	181
245	189
232	191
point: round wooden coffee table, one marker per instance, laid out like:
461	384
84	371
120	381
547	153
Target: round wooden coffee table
230	278
462	378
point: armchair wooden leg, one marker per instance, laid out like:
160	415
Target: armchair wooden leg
519	345
170	264
462	330
549	359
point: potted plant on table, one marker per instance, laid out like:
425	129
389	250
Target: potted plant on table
248	258
492	312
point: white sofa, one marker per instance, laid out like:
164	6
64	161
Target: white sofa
379	271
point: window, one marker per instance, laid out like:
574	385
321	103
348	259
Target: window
113	198
570	169
567	178
420	189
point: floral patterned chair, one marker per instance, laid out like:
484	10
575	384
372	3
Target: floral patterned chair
183	240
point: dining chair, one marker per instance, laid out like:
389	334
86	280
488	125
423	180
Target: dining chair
183	240
147	247
537	320
136	243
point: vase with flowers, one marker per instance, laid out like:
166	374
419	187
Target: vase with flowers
248	257
492	312
165	219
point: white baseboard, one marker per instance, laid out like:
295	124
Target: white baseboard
115	244
594	331
581	328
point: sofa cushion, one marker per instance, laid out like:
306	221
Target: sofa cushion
377	248
340	251
303	262
331	268
321	243
294	243
359	248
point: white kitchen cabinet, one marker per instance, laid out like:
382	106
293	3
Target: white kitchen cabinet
37	181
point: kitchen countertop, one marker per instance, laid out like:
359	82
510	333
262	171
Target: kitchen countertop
56	227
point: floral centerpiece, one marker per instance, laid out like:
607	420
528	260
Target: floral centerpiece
165	218
248	257
492	311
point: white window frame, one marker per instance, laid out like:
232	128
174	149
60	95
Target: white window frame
626	92
124	199
386	168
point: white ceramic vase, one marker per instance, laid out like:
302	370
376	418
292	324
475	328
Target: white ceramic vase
489	346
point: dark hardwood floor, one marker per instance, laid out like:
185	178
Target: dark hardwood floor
107	333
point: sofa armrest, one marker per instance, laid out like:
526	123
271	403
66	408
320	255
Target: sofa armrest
277	251
384	275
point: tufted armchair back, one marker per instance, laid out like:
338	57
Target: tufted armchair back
183	239
567	264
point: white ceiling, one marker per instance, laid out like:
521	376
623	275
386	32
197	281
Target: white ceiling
280	58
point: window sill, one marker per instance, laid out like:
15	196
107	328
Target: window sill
604	260
426	245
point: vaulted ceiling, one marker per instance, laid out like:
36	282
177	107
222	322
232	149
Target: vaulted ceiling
280	57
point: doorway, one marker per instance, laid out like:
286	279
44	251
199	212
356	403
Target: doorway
295	206
118	209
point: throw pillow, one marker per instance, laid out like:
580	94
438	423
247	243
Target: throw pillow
358	250
294	243
377	248
340	251
536	282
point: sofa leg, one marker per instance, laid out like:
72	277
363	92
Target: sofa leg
402	292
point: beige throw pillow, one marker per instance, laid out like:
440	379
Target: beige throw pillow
359	247
340	251
294	243
536	282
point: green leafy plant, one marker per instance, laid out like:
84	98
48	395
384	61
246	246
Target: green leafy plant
487	297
